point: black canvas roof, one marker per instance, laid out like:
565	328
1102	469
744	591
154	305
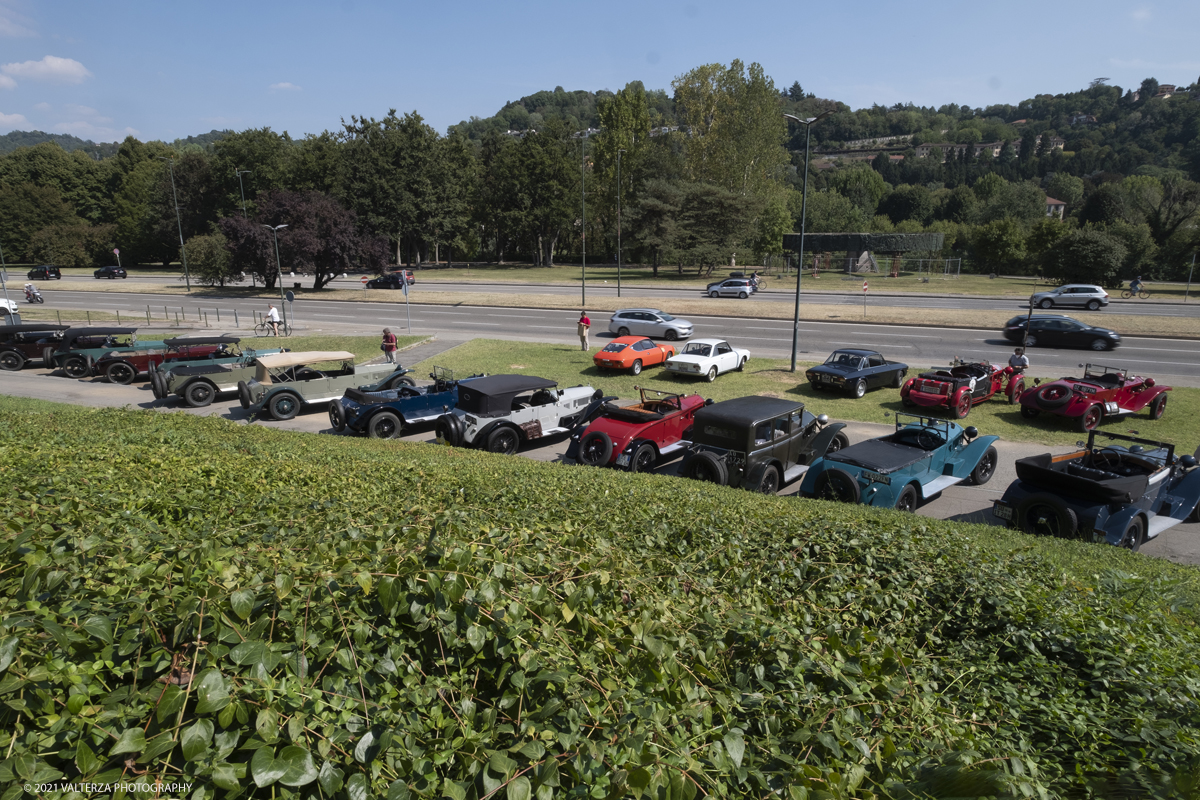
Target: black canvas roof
27	327
75	333
184	341
510	384
747	410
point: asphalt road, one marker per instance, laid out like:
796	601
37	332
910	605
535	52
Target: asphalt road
1174	361
958	503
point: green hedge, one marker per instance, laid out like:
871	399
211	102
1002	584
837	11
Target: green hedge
253	612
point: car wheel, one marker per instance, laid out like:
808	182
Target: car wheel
1091	418
504	440
1093	305
75	367
643	458
448	429
859	389
1029	413
121	373
11	361
1053	396
636	369
1015	391
711	375
1046	515
1135	535
1099	345
284	406
837	484
838	442
907	501
1158	407
768	482
337	415
1030	340
741	365
898	380
243	394
158	385
986	467
384	425
1047	303
671	334
962	404
705	466
742	295
595	449
622	331
714	294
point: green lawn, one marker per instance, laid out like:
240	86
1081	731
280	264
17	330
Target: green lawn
570	366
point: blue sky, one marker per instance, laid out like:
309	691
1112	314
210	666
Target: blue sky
162	70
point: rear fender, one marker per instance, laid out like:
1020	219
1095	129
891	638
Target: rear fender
821	442
1115	525
634	444
1189	490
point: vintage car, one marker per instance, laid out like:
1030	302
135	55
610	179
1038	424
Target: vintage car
1102	392
283	383
962	385
1116	489
20	344
500	413
78	348
758	443
708	358
632	353
124	366
638	436
385	414
855	371
922	457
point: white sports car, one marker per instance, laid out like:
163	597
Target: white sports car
708	357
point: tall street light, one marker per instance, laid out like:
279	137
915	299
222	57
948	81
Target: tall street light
279	265
619	222
583	217
179	219
240	173
807	123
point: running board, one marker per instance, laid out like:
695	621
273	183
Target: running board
1160	524
791	474
938	484
671	448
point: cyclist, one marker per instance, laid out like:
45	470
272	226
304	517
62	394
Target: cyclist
1135	285
273	319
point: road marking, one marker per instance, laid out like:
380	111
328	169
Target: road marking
889	346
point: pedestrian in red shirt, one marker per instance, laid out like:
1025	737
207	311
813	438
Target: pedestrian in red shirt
584	325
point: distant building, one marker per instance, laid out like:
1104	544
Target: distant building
1055	208
1083	119
948	149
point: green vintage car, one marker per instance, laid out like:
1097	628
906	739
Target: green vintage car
78	348
198	383
285	382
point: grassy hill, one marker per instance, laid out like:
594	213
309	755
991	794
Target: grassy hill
263	613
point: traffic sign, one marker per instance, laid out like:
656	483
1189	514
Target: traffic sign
864	286
291	298
116	252
364	280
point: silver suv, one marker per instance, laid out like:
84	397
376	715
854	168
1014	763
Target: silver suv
1082	295
649	322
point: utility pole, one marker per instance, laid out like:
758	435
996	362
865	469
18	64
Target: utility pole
619	222
178	219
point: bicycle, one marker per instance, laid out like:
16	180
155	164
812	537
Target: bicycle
1141	293
263	328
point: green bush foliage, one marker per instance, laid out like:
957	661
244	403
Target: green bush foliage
261	613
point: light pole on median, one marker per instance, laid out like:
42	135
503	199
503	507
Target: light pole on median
178	219
240	173
619	222
583	214
274	229
807	123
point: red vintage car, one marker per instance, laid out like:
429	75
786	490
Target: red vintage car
636	437
963	385
124	366
1101	392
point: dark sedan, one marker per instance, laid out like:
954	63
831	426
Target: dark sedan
393	280
1055	330
111	272
855	371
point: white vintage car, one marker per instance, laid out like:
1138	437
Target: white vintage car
499	413
708	357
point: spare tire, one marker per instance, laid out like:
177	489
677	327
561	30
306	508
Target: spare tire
1053	395
244	394
595	449
158	384
706	466
1046	515
449	429
837	484
337	415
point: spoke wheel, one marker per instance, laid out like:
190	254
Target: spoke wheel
595	448
120	373
285	406
503	440
1091	418
337	415
986	467
1135	535
199	394
769	483
907	501
963	406
384	425
672	335
11	361
75	367
1159	407
643	458
837	484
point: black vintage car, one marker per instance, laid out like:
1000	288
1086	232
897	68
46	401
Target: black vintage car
758	443
855	371
20	344
77	349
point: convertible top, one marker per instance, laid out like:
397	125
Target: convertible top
75	333
495	393
746	410
185	341
879	455
29	327
279	360
1072	477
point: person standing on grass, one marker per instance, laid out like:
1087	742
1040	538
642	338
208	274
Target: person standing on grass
273	319
584	325
1018	360
389	345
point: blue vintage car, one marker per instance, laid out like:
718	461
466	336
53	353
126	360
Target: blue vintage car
1122	494
855	371
924	456
384	414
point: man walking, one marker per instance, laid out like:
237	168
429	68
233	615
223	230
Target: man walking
584	325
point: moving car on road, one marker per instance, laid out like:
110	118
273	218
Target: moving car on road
1116	489
963	385
632	353
111	272
20	344
708	358
1081	295
758	443
649	322
1102	392
392	280
924	456
386	413
855	371
1055	330
284	383
731	287
638	436
45	272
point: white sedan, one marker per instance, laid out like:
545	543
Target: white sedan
708	357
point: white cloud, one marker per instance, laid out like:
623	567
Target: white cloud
7	82
42	106
284	87
50	68
12	120
12	23
1140	14
86	112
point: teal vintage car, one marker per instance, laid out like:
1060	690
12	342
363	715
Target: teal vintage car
924	456
286	382
76	351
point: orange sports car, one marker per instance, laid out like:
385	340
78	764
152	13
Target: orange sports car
632	353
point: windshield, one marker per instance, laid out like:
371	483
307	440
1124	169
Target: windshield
665	316
696	349
615	347
844	358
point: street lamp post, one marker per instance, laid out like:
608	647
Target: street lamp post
583	215
179	220
240	173
619	222
279	265
807	123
